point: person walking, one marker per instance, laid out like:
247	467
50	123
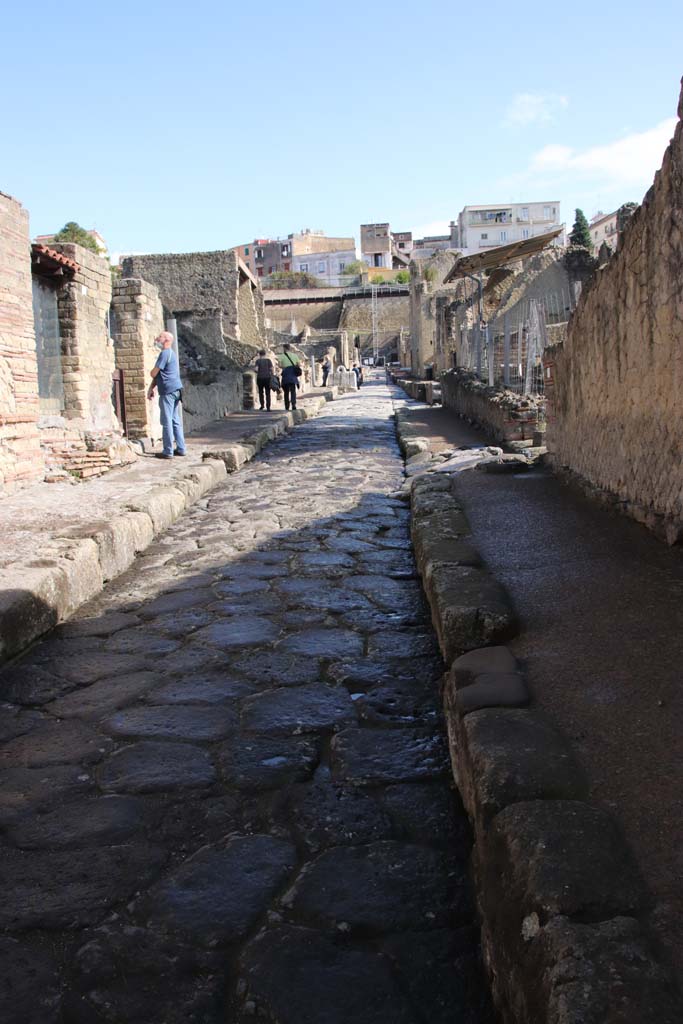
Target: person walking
326	370
264	375
359	374
165	376
291	371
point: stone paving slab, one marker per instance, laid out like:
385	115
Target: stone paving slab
224	789
62	542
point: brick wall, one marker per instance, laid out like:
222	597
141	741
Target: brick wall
87	349
138	319
21	460
615	413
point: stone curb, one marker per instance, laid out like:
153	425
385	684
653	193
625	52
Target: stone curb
558	891
82	561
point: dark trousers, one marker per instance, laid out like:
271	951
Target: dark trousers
326	374
263	385
290	395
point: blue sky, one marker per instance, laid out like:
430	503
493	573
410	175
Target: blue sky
177	127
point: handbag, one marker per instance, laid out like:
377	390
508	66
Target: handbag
275	383
297	369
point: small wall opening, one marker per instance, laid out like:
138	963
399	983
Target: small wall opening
48	348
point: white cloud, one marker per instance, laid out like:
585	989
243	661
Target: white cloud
631	160
534	108
596	177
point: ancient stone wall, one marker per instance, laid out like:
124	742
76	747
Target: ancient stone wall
323	315
87	349
137	319
191	280
615	413
21	460
210	288
504	415
251	315
426	284
393	312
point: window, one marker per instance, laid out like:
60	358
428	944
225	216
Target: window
322	267
525	213
484	235
246	250
503	236
285	266
401	245
303	268
342	267
259	271
285	250
546	213
258	253
525	232
271	269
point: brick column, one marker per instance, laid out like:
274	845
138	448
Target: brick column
21	459
138	319
87	351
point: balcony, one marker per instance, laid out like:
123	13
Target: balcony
491	217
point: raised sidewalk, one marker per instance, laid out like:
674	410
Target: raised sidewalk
62	542
566	742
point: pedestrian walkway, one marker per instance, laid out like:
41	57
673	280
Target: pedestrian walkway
224	788
602	644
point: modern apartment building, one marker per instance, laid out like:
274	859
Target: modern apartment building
328	266
266	256
485	226
380	247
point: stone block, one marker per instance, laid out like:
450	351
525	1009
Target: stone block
469	609
163	505
505	756
480	661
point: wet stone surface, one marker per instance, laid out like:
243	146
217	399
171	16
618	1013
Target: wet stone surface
224	786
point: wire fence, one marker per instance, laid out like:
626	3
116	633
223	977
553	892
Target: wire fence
508	350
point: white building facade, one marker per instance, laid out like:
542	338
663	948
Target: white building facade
328	266
486	226
603	228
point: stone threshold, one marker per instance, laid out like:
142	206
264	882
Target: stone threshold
559	894
74	562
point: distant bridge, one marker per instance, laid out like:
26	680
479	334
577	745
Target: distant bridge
292	296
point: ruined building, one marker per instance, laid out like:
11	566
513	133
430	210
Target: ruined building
57	361
218	306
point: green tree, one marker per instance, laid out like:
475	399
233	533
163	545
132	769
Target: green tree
403	277
580	233
354	268
73	232
291	279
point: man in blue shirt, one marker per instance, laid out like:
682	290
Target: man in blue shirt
166	379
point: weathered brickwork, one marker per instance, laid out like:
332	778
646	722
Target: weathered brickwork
20	455
615	415
87	349
138	318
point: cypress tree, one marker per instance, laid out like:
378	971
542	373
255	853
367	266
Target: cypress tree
580	233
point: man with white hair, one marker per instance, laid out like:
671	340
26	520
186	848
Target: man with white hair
166	379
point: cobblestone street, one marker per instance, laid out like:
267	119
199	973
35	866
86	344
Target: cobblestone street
224	787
